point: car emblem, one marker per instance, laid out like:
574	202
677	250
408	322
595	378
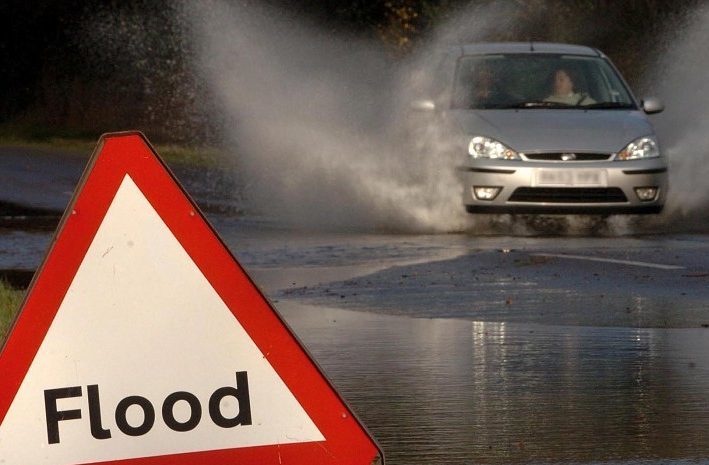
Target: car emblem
568	156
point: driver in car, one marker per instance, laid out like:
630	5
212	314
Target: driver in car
563	90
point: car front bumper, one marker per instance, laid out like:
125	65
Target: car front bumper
607	187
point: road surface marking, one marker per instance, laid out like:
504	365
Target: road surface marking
610	260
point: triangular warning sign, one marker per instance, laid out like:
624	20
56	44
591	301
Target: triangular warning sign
142	341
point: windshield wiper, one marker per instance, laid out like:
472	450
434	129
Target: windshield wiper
546	104
607	105
538	104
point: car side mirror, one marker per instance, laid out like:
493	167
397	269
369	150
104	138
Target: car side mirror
423	105
652	105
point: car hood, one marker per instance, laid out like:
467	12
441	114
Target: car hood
543	130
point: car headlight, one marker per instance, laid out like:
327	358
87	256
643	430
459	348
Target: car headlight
484	147
644	147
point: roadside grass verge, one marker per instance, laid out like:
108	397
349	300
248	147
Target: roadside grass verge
10	300
195	156
173	153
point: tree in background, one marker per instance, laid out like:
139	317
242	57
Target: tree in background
83	66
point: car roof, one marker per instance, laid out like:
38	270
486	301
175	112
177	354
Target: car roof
484	48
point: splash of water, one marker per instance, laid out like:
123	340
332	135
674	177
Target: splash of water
682	81
322	135
321	125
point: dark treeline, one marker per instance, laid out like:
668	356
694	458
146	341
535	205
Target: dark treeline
81	67
70	67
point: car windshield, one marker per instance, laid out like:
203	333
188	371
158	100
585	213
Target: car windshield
532	81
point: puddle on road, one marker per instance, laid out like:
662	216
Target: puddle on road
448	391
444	391
22	249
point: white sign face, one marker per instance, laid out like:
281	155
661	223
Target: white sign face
144	359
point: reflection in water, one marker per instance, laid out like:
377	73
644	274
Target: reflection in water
458	392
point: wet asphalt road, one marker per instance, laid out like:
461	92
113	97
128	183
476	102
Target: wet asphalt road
649	282
459	349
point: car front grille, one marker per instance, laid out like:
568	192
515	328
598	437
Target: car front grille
568	156
568	195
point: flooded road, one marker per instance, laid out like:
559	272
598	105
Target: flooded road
460	349
445	391
498	350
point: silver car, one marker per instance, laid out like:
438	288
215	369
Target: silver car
552	128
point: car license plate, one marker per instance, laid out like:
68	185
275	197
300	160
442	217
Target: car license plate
572	178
